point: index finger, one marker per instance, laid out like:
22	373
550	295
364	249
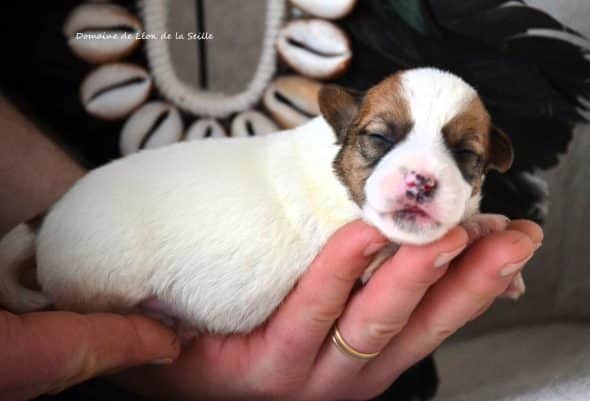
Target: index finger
302	323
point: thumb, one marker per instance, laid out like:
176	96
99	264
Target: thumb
50	351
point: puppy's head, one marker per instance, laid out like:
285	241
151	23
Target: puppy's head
415	150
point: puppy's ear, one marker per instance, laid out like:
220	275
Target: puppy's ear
339	106
501	151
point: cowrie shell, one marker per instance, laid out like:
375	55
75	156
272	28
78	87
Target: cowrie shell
329	9
252	123
154	125
100	33
314	48
205	128
113	91
292	100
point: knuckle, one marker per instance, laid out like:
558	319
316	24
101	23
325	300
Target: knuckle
425	280
133	348
323	313
384	331
439	330
347	277
324	316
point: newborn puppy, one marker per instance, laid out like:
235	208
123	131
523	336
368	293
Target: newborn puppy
216	233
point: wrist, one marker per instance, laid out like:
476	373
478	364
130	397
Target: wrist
34	172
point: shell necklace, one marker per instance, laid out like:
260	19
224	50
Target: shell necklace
310	49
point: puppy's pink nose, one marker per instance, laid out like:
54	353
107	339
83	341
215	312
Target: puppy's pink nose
420	187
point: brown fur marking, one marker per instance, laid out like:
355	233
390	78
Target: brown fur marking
387	101
470	130
383	111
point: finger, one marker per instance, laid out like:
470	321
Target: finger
477	278
301	324
517	287
51	351
381	309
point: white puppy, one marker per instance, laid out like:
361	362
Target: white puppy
217	232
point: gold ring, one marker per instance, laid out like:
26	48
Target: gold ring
347	349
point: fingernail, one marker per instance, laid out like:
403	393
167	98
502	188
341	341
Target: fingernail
516	289
540	244
514	267
501	219
374	248
444	258
162	361
512	295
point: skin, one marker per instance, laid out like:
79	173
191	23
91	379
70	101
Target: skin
405	311
34	172
48	351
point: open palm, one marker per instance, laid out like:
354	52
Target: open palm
410	305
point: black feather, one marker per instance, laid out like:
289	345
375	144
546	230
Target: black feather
495	25
455	11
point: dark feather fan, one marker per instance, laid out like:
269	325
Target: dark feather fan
530	70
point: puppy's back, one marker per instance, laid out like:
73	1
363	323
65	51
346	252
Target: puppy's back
121	221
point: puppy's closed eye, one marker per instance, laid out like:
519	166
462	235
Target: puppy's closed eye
381	139
469	161
468	156
373	145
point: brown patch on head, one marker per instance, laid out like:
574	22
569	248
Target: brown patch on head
476	145
469	128
385	102
368	127
467	136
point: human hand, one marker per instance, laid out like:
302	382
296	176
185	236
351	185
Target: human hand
405	311
46	352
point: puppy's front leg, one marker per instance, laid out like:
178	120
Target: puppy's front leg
482	224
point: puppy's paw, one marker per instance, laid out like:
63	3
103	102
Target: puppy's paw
480	225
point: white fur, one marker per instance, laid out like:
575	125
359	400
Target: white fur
17	248
434	97
220	230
